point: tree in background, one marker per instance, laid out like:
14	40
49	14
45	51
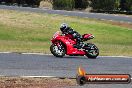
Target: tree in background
128	5
117	4
63	4
122	5
96	5
81	4
32	2
103	5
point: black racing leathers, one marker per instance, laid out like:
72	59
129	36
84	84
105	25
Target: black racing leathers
75	35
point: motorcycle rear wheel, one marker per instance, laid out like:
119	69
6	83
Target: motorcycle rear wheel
57	51
92	51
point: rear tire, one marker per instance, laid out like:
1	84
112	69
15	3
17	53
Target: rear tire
92	51
56	51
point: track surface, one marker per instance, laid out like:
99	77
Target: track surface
14	64
119	18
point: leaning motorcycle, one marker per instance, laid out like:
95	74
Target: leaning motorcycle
64	45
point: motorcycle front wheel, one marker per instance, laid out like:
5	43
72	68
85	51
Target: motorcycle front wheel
92	51
58	51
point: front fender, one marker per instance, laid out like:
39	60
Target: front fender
68	44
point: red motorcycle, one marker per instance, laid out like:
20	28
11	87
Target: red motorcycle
64	45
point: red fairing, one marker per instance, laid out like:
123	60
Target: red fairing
68	41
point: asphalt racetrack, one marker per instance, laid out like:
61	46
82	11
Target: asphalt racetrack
13	64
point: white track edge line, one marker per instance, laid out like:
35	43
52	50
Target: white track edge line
51	54
30	76
39	76
116	56
5	52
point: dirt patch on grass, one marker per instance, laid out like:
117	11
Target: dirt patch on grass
16	82
126	25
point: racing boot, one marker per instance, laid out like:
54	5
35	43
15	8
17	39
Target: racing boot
79	45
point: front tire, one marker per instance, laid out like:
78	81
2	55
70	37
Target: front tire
92	51
57	51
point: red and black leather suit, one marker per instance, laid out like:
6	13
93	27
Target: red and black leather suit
75	35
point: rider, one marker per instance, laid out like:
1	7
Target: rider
65	29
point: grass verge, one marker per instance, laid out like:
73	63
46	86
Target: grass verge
31	32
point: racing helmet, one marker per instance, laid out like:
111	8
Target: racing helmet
63	26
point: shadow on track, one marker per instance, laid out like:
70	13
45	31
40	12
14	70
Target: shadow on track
76	57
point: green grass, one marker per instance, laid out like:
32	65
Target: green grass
31	32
